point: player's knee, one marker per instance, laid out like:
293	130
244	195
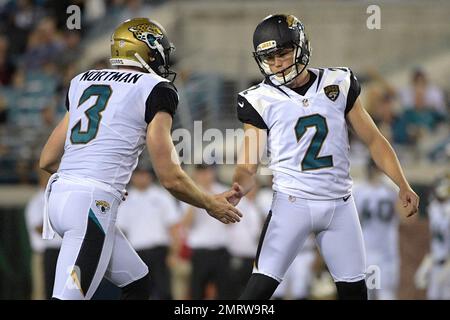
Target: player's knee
259	287
137	290
352	290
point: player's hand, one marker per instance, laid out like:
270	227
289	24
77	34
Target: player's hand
219	208
237	196
410	200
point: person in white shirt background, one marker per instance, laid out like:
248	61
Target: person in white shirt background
208	241
434	98
243	252
45	253
148	218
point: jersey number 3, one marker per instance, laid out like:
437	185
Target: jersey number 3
103	93
312	161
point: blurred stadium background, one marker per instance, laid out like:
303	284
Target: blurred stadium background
39	56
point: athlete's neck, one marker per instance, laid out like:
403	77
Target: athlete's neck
301	80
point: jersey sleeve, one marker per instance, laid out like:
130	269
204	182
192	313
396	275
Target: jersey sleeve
164	97
353	92
248	114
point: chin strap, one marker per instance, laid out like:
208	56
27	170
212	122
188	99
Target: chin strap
143	63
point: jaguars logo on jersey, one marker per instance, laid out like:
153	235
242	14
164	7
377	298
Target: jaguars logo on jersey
147	33
332	92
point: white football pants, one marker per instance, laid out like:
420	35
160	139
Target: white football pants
338	236
84	215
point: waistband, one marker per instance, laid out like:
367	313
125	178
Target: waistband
120	195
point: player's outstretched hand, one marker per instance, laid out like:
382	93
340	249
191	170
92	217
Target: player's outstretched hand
410	201
235	197
222	210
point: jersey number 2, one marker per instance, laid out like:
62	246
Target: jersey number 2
103	92
312	161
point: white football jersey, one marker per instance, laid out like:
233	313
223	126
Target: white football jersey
307	132
439	219
376	204
108	118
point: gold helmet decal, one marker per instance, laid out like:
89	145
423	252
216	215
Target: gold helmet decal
290	19
147	33
293	22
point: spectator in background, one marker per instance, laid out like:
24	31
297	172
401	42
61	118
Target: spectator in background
203	95
424	107
422	94
380	101
19	19
383	113
45	253
208	240
44	45
148	218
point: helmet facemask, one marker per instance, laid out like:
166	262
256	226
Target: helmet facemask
300	60
161	62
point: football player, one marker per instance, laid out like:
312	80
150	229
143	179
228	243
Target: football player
112	114
305	112
376	202
439	222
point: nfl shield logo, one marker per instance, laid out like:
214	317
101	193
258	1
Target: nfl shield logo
332	92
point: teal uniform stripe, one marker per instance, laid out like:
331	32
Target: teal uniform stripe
94	218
